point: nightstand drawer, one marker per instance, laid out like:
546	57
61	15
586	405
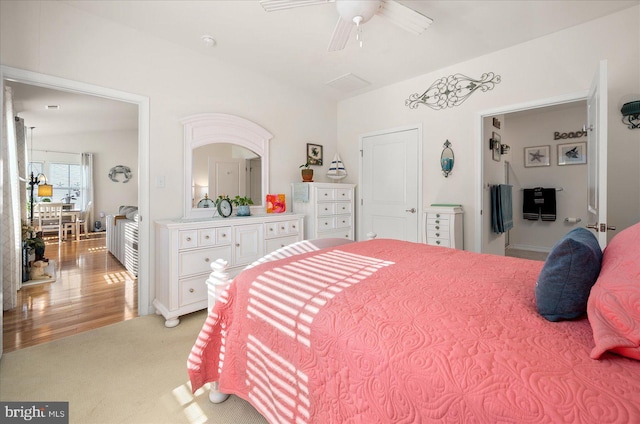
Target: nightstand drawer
438	234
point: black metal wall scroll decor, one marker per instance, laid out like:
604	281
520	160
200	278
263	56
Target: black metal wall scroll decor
452	91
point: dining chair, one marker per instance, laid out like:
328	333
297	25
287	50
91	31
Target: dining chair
50	218
82	221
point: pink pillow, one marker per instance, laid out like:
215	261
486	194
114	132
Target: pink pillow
614	303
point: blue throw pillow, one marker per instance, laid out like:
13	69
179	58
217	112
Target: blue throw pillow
571	269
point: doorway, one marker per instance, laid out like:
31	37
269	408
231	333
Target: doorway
54	83
526	128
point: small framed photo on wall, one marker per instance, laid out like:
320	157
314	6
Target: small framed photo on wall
314	154
537	156
572	153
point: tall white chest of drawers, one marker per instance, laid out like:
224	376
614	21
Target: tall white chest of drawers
185	250
329	209
443	226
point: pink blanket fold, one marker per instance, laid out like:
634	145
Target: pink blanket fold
396	332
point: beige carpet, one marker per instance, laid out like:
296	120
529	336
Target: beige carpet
131	372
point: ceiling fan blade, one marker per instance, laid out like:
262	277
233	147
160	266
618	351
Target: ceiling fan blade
404	17
340	35
275	5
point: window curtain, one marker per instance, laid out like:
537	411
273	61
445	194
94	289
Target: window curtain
87	176
13	142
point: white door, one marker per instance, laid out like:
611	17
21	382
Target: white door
597	155
390	183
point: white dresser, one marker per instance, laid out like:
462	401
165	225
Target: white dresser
329	209
186	248
444	226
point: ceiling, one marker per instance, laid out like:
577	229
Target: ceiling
290	45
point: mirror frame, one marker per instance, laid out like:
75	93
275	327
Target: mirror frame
210	128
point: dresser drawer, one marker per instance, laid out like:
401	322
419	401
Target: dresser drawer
435	220
345	233
343	194
326	223
326	194
187	239
277	243
192	290
199	261
207	237
343	221
326	209
223	236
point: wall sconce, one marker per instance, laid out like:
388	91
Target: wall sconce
631	114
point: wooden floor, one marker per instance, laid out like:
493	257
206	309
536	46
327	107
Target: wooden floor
92	289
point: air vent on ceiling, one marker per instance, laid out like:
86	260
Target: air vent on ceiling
348	82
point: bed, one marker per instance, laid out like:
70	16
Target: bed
397	332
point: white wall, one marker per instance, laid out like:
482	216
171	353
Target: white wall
55	39
562	63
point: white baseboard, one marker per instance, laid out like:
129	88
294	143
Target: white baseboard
527	247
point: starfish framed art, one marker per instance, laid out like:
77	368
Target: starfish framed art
537	156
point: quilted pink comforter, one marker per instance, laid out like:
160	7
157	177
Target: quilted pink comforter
385	331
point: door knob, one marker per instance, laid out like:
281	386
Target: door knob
412	210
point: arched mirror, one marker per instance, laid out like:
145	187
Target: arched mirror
447	159
223	154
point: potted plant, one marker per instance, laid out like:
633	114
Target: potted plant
307	173
243	205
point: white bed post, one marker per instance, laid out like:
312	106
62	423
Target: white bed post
216	283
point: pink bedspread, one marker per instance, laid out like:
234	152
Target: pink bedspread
394	332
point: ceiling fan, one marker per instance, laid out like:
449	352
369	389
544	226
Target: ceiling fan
353	13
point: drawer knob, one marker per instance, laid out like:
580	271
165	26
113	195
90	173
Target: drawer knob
326	223
326	194
188	238
293	226
191	290
438	215
237	244
207	237
437	241
224	235
271	229
206	259
437	234
282	228
437	227
437	221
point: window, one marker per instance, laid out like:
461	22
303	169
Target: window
66	179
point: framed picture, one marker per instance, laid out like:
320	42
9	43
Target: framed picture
537	156
496	123
496	146
572	153
314	154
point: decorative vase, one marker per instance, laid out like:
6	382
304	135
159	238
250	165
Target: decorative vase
307	175
244	210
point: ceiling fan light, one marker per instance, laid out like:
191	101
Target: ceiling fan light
350	9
